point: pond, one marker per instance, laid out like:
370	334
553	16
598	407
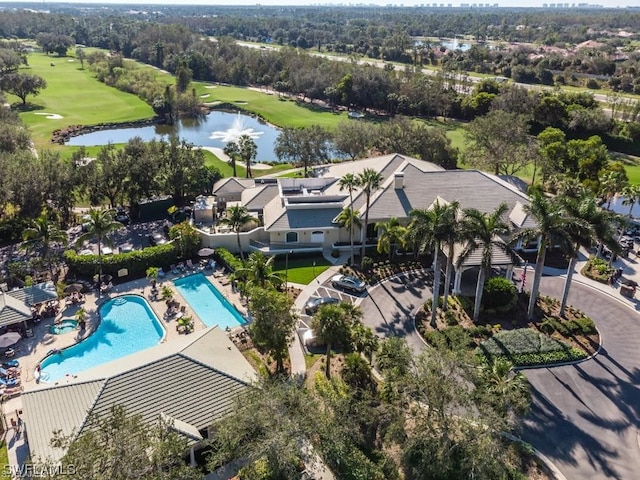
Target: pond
216	129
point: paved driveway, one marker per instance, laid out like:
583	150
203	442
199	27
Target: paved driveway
389	307
585	417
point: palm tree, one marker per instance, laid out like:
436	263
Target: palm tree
333	324
631	195
350	182
598	226
439	224
40	236
391	234
370	181
506	388
364	340
610	184
483	231
259	271
237	217
554	228
99	225
348	218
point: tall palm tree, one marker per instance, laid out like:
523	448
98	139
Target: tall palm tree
348	218
631	195
554	228
598	225
350	182
39	237
391	234
364	340
237	217
440	225
483	232
99	225
259	271
370	181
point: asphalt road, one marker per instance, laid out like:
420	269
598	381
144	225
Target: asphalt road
584	417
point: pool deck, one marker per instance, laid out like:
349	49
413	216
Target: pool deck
31	351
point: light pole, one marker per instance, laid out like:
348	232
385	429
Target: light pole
313	269
286	271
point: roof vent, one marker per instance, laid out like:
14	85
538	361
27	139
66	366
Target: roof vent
398	180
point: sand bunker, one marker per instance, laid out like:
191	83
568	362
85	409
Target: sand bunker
204	95
240	102
50	116
71	60
211	86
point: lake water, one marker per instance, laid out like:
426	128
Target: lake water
216	129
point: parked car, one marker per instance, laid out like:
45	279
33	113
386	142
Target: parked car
157	239
122	216
347	282
314	304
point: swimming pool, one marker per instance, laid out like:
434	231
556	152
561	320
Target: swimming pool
207	302
127	326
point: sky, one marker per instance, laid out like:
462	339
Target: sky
502	3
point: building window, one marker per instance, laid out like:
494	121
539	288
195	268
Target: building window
292	237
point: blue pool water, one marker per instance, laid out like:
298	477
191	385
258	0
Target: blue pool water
128	325
207	303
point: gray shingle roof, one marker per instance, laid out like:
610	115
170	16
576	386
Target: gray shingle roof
191	380
471	188
291	219
256	198
42	292
232	185
13	310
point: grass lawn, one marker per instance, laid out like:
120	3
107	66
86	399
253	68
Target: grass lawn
301	269
279	111
75	95
4	461
310	360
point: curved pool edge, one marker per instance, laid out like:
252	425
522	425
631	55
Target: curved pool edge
56	351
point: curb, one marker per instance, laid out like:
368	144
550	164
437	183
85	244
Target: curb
555	471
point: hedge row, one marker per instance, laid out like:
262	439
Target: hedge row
135	262
228	260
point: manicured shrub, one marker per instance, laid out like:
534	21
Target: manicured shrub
135	262
525	346
499	292
451	318
587	327
366	264
228	259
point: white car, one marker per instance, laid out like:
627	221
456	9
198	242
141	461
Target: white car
347	282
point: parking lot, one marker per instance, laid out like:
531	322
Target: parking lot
326	290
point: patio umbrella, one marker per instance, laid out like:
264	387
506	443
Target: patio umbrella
8	339
206	252
74	287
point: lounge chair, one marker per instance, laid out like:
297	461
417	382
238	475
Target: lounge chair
174	269
11	382
190	265
11	392
10	352
9	372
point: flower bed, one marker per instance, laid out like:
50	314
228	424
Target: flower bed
525	346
